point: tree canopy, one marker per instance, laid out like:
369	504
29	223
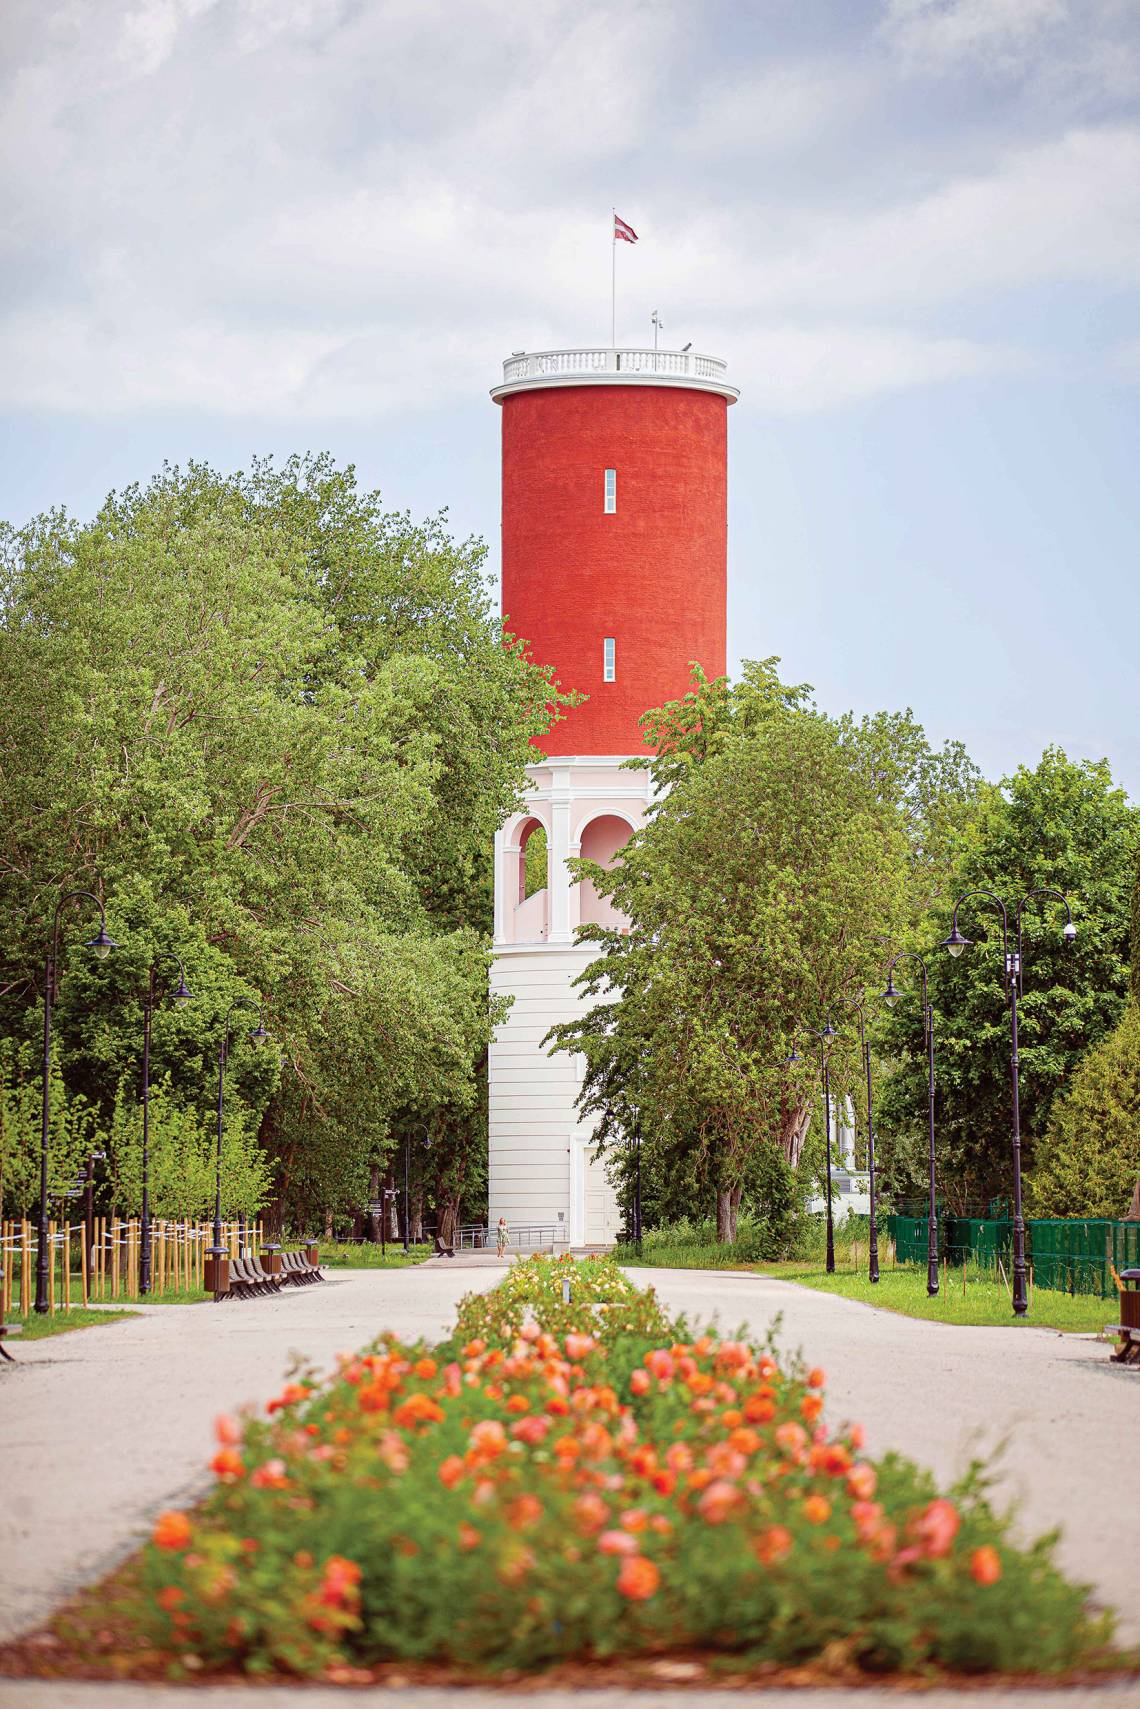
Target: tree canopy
1064	825
274	727
785	851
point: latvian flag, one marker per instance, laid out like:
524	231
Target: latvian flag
625	232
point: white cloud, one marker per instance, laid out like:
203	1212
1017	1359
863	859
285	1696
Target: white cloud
1000	35
795	370
313	206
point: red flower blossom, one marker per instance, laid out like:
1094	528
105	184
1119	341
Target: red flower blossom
936	1528
171	1531
773	1545
985	1565
638	1578
617	1543
719	1502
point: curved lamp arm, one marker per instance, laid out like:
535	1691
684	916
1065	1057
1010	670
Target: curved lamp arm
101	943
890	995
182	993
956	943
1070	931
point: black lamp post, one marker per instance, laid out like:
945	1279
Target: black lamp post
154	993
101	945
891	996
258	1034
407	1202
637	1186
825	1036
1011	975
873	1253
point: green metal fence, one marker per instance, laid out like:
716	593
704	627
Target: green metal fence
1074	1254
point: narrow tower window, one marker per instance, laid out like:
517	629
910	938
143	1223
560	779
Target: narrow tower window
609	659
611	492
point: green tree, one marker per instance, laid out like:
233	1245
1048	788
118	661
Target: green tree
274	727
1089	1162
1062	825
758	896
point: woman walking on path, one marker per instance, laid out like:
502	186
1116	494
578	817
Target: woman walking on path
502	1234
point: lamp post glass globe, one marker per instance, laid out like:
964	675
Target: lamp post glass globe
259	1033
955	943
890	995
101	944
181	997
1069	932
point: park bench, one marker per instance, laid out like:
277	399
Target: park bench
264	1280
296	1268
7	1329
248	1278
1128	1329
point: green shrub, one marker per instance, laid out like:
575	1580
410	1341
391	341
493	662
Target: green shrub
583	1480
1090	1160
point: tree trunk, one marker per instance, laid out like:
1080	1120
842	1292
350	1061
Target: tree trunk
727	1205
328	1225
794	1132
448	1219
417	1214
372	1231
393	1216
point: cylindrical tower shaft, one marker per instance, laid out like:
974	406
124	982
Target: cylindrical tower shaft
615	533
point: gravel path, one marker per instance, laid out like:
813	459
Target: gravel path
21	1694
102	1428
1068	1417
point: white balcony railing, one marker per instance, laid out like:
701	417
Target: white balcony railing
600	363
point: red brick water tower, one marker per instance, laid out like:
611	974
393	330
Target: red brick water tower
614	568
615	490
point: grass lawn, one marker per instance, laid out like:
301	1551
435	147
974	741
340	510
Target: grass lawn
363	1255
984	1301
35	1328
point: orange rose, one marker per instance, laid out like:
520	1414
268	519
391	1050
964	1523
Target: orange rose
817	1510
171	1531
591	1511
811	1406
417	1409
640	1382
985	1565
816	1378
169	1597
227	1465
772	1545
524	1511
450	1471
638	1578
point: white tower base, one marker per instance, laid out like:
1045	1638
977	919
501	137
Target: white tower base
541	1175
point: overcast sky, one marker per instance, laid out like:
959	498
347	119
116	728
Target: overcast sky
912	227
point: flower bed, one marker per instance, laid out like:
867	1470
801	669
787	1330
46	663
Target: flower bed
584	1480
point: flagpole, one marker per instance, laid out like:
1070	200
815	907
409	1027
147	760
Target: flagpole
613	278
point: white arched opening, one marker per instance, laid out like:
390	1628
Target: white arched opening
602	840
530	889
